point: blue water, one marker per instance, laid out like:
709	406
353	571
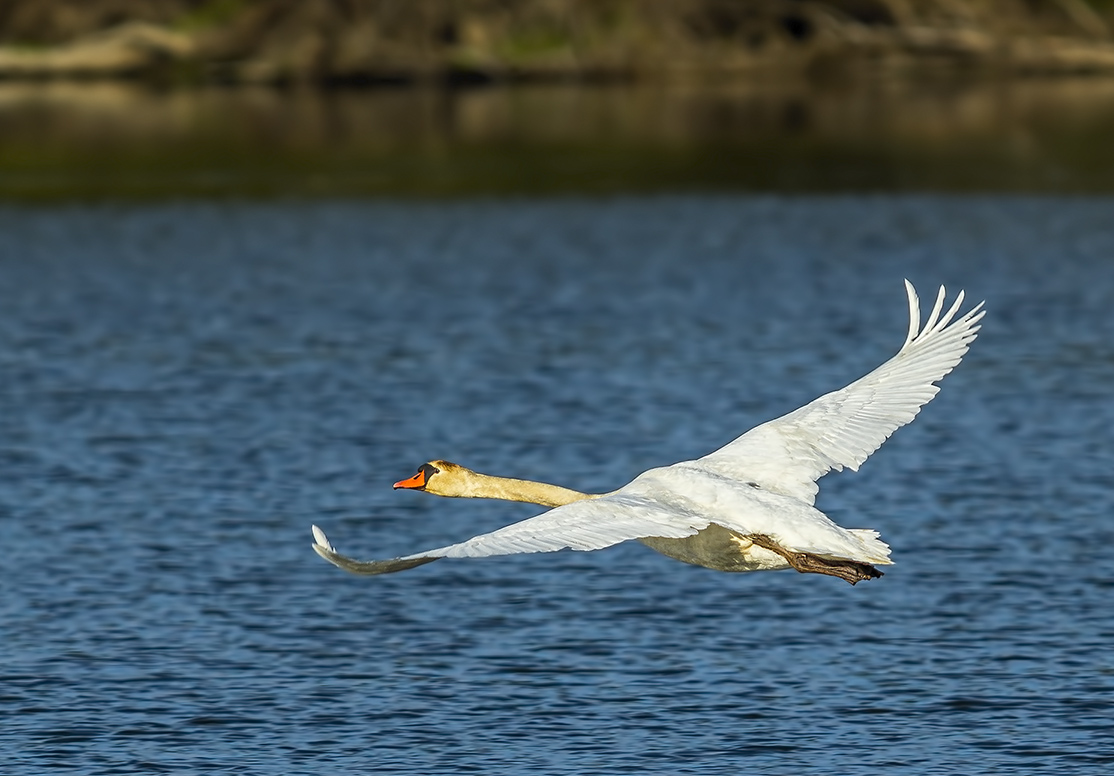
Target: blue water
186	388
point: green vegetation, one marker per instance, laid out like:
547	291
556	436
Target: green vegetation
214	13
531	42
376	41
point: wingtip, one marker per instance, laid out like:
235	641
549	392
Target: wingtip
321	541
936	320
914	312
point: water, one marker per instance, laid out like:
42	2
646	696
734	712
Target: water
186	388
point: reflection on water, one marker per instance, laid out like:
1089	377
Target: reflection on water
60	140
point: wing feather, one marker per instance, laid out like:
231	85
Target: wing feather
582	525
843	428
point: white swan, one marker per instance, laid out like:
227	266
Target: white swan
745	507
714	547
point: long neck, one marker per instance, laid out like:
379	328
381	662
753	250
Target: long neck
508	489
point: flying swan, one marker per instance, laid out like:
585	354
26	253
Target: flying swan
745	507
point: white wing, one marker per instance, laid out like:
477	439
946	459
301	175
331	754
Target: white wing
843	428
582	525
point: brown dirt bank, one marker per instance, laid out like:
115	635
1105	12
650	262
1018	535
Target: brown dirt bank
386	41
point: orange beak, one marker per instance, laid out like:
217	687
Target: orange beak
417	481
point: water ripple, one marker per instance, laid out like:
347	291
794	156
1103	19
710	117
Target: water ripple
186	388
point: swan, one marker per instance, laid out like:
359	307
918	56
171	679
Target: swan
748	506
713	547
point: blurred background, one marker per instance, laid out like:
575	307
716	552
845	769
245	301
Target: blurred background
136	99
259	259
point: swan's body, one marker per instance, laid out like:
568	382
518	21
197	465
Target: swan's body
745	507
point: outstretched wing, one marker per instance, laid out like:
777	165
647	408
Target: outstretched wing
582	525
843	428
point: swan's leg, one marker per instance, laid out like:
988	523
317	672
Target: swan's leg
806	563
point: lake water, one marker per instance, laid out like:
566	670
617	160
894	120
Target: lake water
186	388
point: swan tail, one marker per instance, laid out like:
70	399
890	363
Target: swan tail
874	550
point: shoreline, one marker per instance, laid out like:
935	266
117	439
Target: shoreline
174	42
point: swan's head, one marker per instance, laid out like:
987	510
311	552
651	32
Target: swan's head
441	478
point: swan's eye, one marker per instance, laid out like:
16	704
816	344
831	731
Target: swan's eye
419	480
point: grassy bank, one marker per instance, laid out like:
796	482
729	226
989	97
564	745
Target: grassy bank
386	42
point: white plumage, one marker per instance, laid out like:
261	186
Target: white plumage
759	487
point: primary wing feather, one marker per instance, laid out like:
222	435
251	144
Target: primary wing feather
843	428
